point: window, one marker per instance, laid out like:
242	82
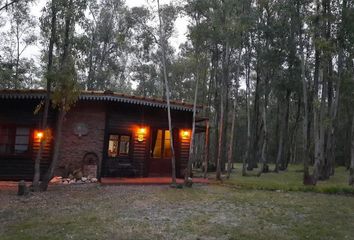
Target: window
14	140
161	144
118	145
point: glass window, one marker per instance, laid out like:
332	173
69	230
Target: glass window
157	144
118	145
14	140
113	145
161	144
167	145
124	145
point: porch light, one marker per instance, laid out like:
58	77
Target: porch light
141	134
38	135
185	134
142	131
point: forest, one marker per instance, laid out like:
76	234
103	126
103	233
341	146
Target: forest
274	77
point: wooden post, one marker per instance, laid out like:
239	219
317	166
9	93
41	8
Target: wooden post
22	188
206	149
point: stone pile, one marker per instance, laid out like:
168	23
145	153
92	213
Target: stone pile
70	180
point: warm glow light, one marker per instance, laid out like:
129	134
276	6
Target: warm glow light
141	134
39	135
142	130
185	134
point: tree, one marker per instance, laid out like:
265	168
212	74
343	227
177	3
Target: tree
15	70
65	87
36	176
162	41
351	170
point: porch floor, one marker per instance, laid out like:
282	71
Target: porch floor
146	181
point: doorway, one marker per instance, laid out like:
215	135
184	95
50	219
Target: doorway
160	153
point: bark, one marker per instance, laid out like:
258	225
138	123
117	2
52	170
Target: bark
55	160
320	136
17	66
231	143
305	134
292	137
162	45
191	146
252	161
218	161
44	124
280	143
351	169
206	149
285	154
264	167
283	135
248	143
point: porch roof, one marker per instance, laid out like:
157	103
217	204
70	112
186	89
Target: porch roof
106	96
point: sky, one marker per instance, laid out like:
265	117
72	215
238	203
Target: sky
178	37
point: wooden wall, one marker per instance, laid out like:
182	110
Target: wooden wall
20	113
126	119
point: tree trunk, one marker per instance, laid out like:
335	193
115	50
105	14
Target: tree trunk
320	136
264	167
206	149
191	146
285	154
37	162
58	134
351	169
218	161
252	161
248	144
162	44
231	143
282	133
305	134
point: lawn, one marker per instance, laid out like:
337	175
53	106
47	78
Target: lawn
289	180
210	211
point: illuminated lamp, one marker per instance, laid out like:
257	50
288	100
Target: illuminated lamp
185	134
38	135
141	134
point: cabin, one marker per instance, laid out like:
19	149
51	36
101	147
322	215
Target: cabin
105	134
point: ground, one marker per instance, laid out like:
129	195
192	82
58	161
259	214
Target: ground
214	211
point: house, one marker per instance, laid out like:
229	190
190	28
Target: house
105	134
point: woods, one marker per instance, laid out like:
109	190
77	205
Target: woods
276	78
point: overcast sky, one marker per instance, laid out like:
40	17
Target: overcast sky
178	37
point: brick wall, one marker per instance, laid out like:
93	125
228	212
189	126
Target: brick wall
74	147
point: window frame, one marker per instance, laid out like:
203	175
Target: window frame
26	154
118	147
162	144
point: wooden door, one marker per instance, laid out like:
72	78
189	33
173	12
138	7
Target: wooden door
160	153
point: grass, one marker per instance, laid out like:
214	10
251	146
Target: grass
159	212
240	208
291	180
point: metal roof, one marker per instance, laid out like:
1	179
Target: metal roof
106	96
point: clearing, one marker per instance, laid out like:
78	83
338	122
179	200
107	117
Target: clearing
93	211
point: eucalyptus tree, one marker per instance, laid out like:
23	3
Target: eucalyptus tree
17	71
106	46
63	72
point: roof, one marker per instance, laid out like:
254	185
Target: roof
105	96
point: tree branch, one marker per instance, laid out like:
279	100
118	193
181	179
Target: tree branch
8	5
